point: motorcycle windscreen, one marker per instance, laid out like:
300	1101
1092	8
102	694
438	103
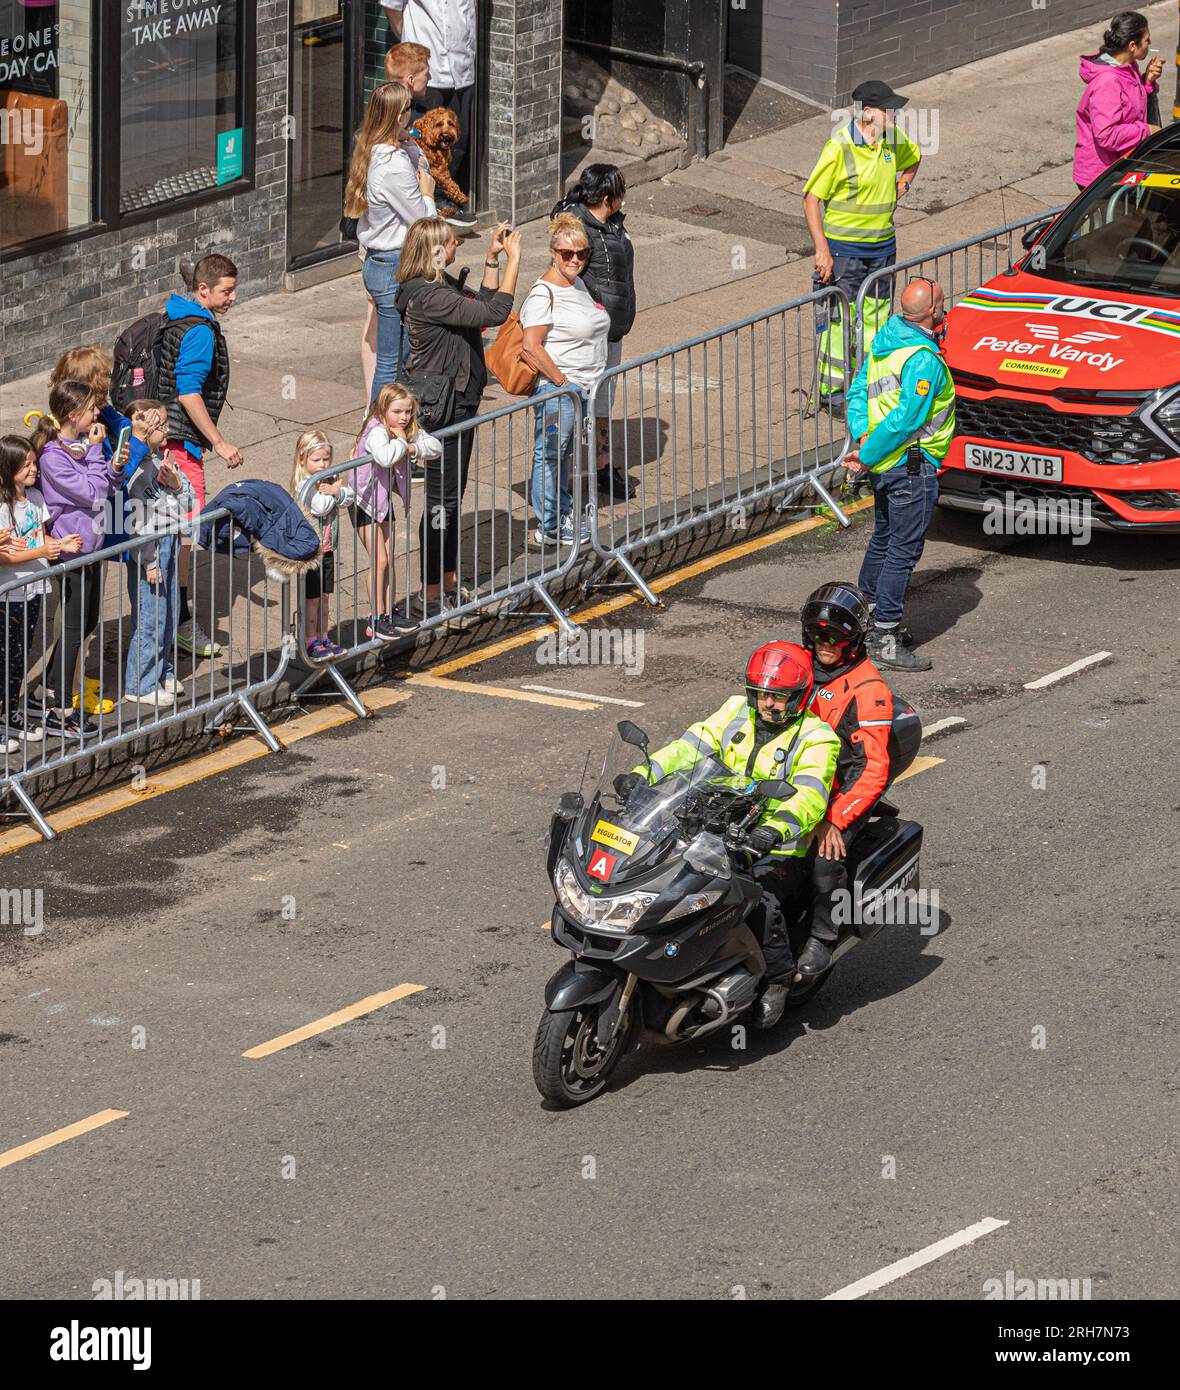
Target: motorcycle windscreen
627	821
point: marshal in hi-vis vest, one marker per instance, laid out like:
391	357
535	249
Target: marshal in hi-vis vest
884	394
805	754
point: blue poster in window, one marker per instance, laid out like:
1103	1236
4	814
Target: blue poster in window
229	155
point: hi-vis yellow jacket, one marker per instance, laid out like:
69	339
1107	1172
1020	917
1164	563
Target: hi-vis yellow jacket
804	753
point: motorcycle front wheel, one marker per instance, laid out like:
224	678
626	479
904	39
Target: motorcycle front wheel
569	1066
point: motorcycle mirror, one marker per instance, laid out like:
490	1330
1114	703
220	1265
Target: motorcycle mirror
632	734
776	789
569	804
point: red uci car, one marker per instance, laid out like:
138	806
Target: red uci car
1067	368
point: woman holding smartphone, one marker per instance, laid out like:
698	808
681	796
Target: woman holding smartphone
1112	114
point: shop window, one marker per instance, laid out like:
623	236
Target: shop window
46	120
180	126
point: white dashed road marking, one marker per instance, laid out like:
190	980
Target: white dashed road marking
1071	669
583	695
942	726
900	1268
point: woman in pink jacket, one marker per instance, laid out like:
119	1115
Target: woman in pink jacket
1112	114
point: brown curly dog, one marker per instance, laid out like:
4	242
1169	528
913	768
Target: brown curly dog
438	129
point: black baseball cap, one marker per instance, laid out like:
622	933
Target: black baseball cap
878	94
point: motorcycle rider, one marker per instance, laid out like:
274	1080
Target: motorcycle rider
853	699
768	734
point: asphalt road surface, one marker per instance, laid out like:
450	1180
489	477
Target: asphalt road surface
1018	1065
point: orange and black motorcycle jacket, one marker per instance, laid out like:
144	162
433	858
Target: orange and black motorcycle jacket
855	701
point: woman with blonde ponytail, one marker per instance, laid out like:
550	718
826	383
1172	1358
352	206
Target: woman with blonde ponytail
389	187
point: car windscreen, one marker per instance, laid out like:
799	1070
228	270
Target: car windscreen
1124	233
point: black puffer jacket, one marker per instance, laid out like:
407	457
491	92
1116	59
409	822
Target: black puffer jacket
610	272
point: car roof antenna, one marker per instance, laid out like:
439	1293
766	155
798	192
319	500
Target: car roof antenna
1007	236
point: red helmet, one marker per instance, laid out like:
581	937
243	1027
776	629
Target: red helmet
780	668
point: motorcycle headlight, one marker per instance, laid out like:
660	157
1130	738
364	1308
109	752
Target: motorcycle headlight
697	903
620	911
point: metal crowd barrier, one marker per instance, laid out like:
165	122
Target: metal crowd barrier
708	429
230	595
714	426
499	563
959	268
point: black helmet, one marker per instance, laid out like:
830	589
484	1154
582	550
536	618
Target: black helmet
839	612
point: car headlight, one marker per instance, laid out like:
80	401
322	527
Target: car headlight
620	911
1164	419
697	903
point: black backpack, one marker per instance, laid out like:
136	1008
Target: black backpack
136	372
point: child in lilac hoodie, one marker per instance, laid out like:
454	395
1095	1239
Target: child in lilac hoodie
1112	114
77	482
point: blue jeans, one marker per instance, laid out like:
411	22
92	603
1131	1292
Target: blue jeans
904	506
553	450
153	613
380	277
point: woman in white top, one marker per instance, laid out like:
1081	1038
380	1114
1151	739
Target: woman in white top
565	332
389	186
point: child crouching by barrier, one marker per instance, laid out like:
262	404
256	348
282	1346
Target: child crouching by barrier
321	500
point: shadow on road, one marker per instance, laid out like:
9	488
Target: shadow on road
894	961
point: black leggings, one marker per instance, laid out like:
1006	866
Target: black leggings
18	622
79	618
442	495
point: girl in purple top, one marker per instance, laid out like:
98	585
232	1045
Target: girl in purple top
392	436
76	482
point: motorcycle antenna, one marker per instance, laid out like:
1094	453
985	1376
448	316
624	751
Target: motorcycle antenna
585	769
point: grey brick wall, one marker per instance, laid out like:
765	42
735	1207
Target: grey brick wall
825	48
89	291
524	106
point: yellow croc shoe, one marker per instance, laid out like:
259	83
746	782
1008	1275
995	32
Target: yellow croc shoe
93	704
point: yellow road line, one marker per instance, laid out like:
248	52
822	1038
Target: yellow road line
658	586
246	749
918	765
234	754
322	1025
60	1136
501	691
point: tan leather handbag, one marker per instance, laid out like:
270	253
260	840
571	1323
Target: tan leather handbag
509	361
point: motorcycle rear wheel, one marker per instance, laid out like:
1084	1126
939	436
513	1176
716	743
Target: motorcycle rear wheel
569	1067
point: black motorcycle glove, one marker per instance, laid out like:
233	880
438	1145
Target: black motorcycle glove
764	839
625	783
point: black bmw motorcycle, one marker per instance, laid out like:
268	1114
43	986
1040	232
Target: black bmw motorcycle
654	901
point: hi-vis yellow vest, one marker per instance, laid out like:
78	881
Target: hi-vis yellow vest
883	380
865	213
804	754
